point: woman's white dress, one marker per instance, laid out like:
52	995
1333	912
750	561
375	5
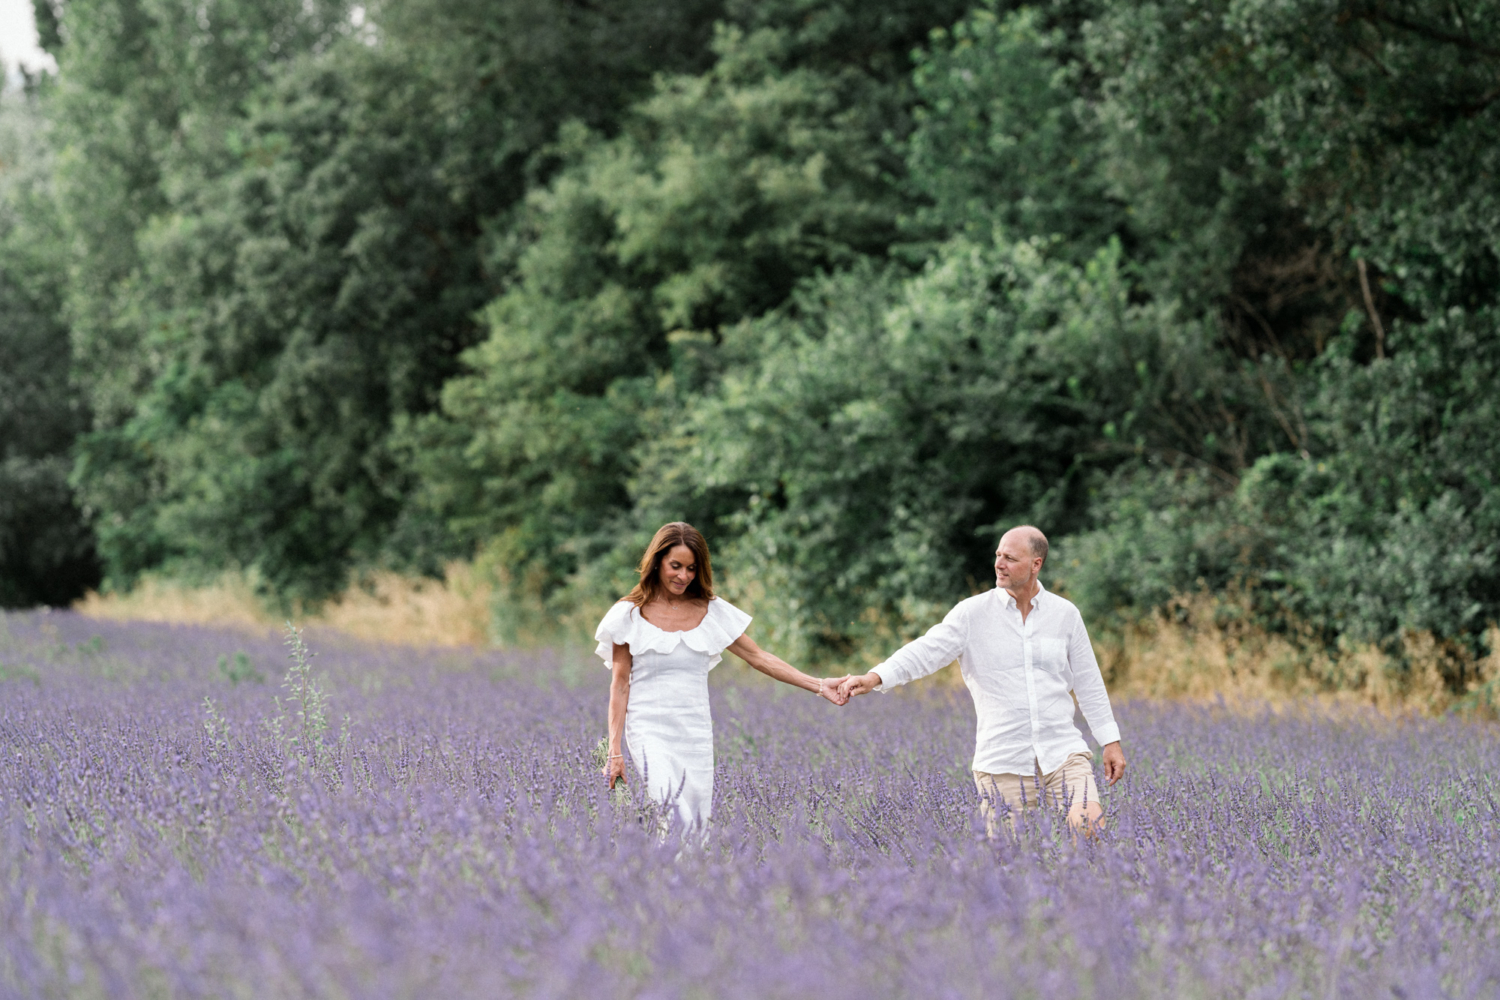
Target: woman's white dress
667	722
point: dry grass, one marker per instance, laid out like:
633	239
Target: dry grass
454	611
383	607
1203	648
229	601
1199	648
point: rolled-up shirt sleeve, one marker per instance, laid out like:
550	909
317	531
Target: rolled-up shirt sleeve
942	644
1088	685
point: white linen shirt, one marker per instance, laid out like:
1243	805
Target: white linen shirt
1020	675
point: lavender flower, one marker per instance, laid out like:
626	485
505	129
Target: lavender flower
456	840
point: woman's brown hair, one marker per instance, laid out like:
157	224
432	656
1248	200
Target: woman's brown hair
668	537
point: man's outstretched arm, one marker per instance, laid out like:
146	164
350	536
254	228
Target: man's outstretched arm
932	652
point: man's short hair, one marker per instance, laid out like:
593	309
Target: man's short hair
1039	546
1037	540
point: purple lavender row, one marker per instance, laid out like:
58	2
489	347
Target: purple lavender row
171	829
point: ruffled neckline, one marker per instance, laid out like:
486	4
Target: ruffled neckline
722	624
636	612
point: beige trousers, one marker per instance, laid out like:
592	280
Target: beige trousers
1067	788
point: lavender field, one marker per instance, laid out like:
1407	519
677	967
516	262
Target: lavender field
430	824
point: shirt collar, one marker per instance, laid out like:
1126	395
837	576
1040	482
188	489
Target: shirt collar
1009	602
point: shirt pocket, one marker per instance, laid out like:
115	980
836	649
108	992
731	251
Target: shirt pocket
1050	655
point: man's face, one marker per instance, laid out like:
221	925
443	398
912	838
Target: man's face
1015	566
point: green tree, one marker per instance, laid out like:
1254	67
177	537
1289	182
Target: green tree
291	306
721	191
304	255
880	442
1207	287
1389	524
1004	135
1376	128
143	87
46	550
1393	524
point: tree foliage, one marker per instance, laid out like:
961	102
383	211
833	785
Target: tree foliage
46	552
302	255
721	191
1207	288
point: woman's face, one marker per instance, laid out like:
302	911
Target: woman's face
679	567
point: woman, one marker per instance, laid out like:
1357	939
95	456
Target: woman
661	641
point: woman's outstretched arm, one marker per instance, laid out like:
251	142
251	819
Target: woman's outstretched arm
619	700
774	666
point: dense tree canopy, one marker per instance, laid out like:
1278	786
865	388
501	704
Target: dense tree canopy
46	553
300	255
1206	288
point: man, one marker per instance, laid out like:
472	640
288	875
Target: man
1024	652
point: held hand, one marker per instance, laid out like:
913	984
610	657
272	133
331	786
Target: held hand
860	684
829	687
614	769
1114	762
